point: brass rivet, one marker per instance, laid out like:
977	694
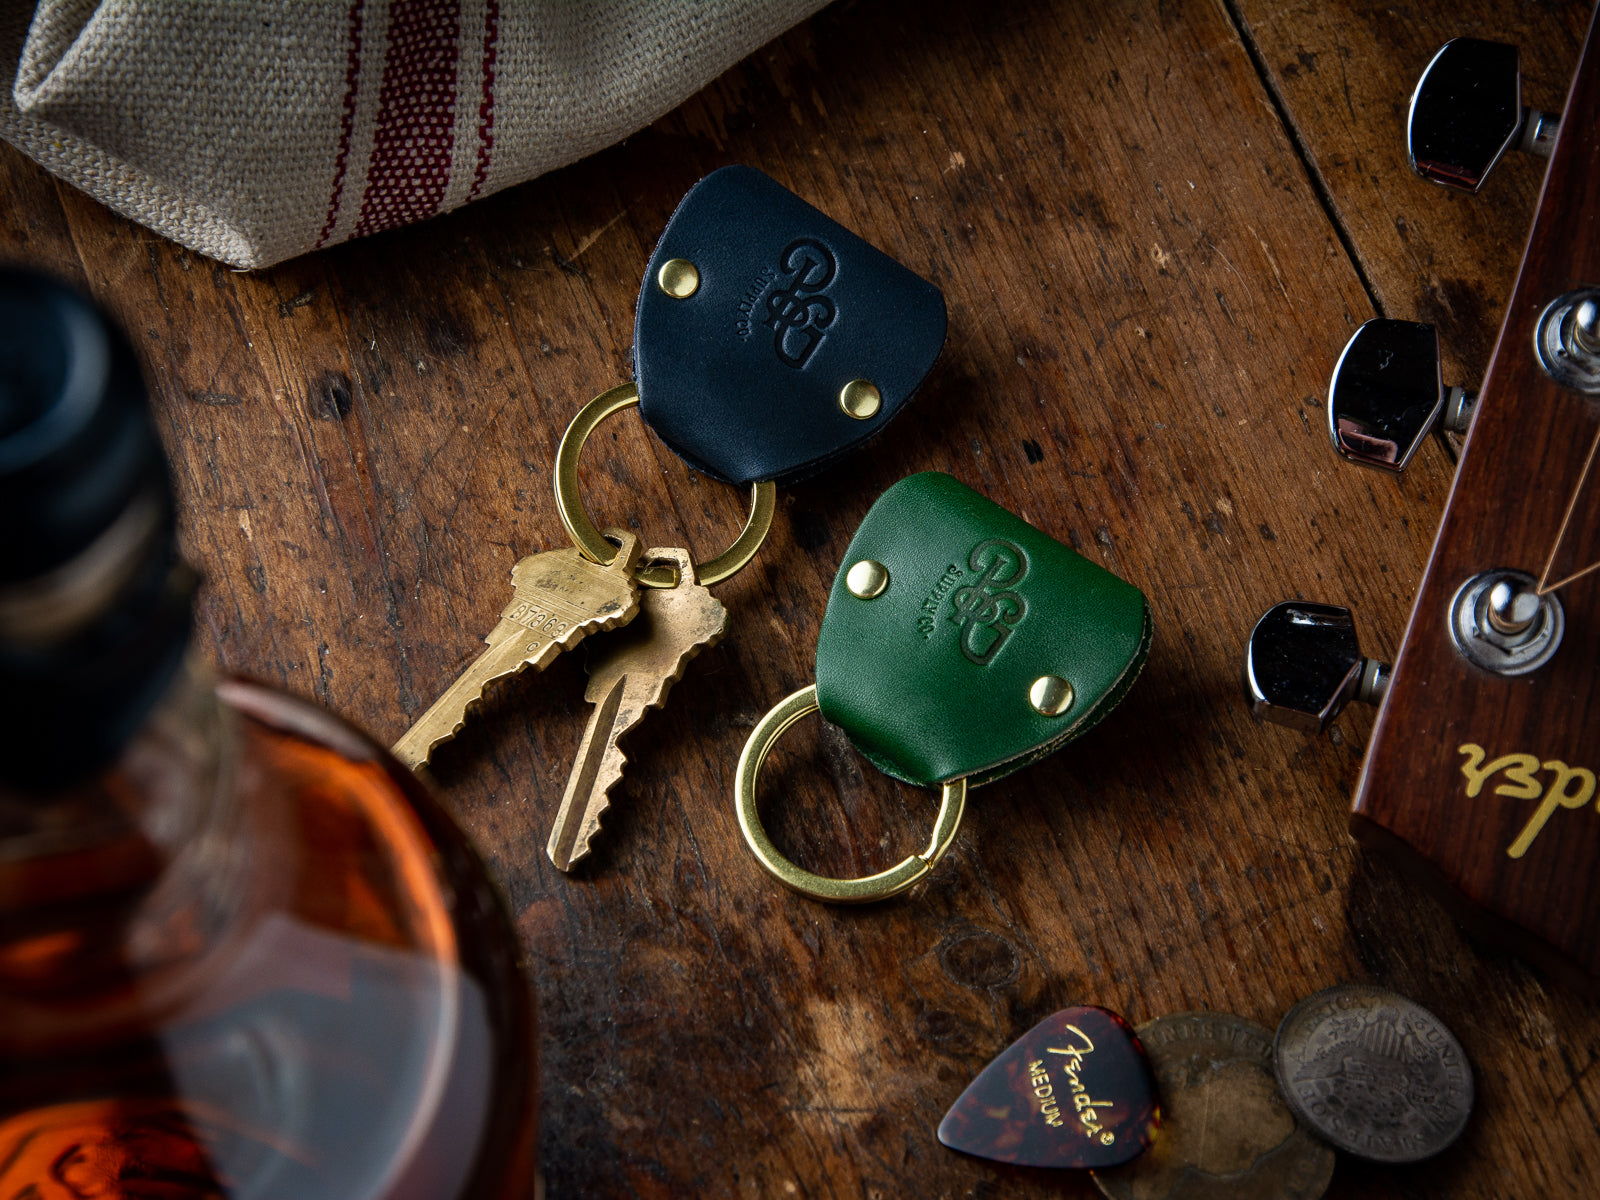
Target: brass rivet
679	278
860	399
867	579
1051	695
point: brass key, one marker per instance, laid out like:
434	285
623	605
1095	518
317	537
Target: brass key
629	674
561	597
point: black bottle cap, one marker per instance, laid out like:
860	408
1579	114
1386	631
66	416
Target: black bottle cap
94	605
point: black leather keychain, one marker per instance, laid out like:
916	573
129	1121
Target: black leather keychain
769	340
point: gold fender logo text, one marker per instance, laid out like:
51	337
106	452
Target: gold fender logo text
1085	1105
1569	787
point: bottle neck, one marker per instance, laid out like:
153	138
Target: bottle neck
114	892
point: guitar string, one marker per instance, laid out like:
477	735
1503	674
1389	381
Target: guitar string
1544	588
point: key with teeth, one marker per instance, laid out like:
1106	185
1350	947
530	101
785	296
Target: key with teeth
561	597
629	674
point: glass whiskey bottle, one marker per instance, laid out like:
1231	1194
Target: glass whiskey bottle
243	953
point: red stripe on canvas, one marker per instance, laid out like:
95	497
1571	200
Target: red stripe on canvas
491	34
411	144
352	84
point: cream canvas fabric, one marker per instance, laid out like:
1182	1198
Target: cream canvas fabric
255	130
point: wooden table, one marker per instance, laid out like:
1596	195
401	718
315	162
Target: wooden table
1155	226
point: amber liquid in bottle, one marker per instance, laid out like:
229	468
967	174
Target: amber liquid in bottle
255	959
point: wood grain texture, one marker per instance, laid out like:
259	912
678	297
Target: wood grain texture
1149	269
1342	74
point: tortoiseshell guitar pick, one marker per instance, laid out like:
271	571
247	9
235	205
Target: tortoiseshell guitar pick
1076	1090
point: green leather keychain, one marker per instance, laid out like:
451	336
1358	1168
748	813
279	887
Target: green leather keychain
959	644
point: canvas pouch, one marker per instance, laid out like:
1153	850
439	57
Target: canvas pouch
255	130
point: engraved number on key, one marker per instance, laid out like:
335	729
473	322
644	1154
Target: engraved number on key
629	674
561	597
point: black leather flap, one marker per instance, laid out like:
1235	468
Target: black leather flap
742	377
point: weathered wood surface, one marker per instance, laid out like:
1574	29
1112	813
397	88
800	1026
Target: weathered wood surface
1155	226
1343	74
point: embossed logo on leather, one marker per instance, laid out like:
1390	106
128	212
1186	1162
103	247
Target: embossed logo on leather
931	602
987	610
797	311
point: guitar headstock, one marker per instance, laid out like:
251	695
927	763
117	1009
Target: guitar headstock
1481	771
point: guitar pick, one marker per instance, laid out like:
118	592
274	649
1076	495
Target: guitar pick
981	646
770	340
1076	1091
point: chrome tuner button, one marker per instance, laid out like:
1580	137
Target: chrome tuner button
1385	394
1303	664
1500	622
1467	111
1567	339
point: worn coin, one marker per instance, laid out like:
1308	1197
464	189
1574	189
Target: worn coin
1226	1133
1374	1073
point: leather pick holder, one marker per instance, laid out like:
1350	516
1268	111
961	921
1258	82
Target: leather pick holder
770	340
989	646
958	645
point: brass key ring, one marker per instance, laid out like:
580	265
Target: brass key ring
952	803
763	503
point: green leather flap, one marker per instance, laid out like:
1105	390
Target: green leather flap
934	677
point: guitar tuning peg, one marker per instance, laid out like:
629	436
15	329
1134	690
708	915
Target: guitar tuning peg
1304	664
1467	111
1385	394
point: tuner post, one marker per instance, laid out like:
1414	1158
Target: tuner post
1586	326
1538	134
1512	608
1303	664
1500	622
1567	338
1374	683
1459	406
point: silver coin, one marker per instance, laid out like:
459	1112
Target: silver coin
1375	1074
1225	1133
